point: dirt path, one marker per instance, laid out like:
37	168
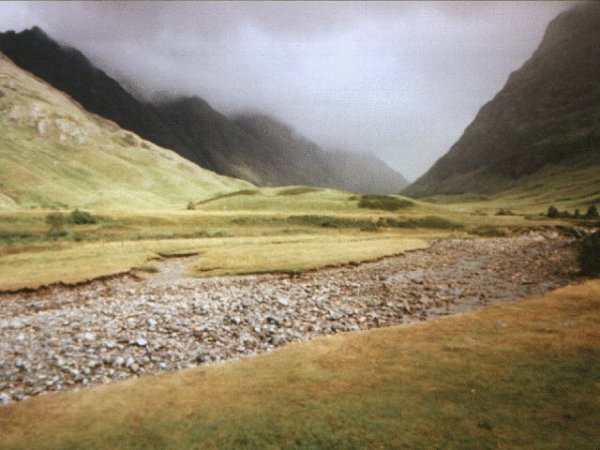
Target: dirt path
65	338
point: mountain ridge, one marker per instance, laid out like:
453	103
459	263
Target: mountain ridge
55	154
187	125
548	112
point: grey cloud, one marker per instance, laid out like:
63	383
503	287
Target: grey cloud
398	79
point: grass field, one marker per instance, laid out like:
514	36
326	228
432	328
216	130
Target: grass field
218	256
522	375
248	231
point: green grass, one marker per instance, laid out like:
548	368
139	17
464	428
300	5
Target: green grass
298	253
247	232
520	376
567	186
53	154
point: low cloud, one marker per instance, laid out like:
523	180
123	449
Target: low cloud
399	79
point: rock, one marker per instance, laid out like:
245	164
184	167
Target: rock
276	341
253	314
22	365
201	356
118	361
4	398
89	336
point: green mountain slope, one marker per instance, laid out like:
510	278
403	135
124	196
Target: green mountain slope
55	154
546	117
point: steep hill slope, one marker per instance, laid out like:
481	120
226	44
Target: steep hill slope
547	114
307	163
192	128
54	153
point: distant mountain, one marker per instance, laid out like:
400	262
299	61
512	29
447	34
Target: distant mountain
547	114
53	153
307	163
192	128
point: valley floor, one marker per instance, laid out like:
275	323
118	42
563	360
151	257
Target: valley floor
64	338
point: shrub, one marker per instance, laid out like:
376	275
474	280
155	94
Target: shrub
190	206
553	212
504	212
592	213
330	222
82	218
589	254
565	214
383	202
435	222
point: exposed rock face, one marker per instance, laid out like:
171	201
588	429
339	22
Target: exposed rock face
548	113
66	338
192	128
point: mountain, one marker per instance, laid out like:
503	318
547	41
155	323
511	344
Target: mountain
225	147
191	127
53	153
307	163
547	116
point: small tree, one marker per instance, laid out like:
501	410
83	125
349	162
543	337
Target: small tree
553	212
592	213
577	214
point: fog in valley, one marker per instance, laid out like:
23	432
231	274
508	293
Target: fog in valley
401	80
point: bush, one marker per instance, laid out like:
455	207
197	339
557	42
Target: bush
82	218
553	212
592	213
383	202
191	206
330	222
504	212
435	222
589	254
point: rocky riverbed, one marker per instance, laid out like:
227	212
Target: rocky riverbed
64	338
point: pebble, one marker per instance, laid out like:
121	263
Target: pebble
101	331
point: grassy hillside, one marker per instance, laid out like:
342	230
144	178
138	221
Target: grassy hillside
55	154
522	375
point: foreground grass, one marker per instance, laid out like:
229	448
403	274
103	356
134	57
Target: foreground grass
523	375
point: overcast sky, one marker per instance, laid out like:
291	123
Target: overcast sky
399	79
